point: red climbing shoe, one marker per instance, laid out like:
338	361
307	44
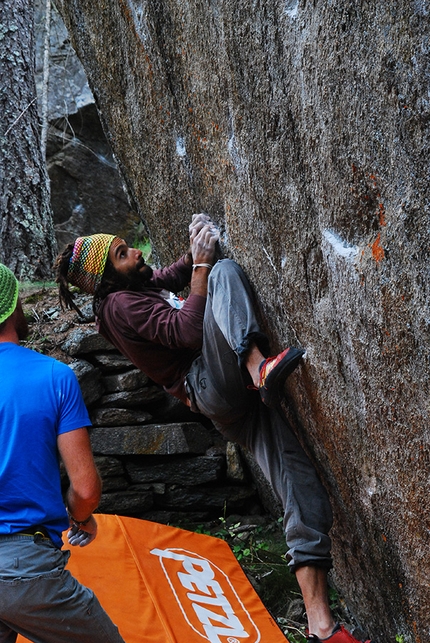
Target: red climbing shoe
274	371
339	635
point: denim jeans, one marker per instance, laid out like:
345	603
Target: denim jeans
217	387
44	602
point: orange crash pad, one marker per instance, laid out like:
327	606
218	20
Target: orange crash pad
162	584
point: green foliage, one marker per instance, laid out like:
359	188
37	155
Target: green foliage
294	634
142	242
400	638
145	246
39	286
333	598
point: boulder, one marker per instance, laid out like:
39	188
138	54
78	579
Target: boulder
302	128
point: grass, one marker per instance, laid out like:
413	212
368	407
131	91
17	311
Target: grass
27	287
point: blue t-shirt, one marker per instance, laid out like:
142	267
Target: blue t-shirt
40	398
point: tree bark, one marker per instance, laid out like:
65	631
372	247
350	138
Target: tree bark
27	242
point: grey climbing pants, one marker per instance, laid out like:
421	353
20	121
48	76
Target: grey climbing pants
41	600
217	387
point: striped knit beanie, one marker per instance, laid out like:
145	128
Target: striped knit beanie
8	292
88	261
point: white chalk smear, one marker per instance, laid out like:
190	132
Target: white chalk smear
232	148
270	259
292	8
180	147
139	18
340	246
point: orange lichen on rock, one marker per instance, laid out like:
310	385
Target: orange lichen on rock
377	250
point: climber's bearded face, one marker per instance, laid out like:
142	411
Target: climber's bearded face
130	266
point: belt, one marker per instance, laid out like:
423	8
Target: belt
33	532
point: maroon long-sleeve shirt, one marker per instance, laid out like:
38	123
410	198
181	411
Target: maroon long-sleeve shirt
160	340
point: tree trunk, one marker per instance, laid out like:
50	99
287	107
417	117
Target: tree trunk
27	243
303	129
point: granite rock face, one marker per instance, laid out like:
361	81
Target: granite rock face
303	129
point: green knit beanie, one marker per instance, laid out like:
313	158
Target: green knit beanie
8	292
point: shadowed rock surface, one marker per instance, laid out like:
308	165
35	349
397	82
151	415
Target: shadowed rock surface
303	129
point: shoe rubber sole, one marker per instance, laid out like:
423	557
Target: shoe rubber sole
270	392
